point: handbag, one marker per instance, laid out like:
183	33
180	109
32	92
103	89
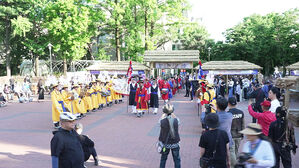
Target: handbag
205	162
160	146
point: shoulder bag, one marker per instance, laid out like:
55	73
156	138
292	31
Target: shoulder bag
205	162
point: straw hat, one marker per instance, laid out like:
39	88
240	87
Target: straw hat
210	85
252	129
75	86
54	85
65	86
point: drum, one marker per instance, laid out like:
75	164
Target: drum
164	91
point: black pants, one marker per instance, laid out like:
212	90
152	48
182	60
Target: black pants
284	155
238	97
245	93
187	91
91	151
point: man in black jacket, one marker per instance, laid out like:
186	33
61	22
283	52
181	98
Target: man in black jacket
66	150
87	145
169	136
238	123
283	140
188	85
258	95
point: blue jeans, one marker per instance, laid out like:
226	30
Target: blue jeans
176	157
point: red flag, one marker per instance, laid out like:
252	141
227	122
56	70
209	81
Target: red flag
129	73
199	63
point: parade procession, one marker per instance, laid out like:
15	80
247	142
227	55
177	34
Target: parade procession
149	83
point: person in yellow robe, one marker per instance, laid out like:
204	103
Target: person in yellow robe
102	89
109	98
66	98
57	105
94	97
78	104
99	96
87	99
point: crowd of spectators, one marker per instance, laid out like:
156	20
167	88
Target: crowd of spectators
20	91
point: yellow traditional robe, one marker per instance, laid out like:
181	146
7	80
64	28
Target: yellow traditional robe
57	107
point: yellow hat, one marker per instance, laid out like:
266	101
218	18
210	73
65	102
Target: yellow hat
54	85
74	86
65	86
210	85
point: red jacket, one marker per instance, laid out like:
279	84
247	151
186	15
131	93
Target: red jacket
264	119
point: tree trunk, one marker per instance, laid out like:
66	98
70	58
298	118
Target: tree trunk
7	47
117	41
37	66
117	44
152	29
145	29
64	66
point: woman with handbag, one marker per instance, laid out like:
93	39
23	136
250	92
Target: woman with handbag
214	152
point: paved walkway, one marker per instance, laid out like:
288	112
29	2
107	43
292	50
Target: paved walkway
122	140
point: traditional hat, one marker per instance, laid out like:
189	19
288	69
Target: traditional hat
168	109
75	86
65	86
54	85
210	85
252	129
212	120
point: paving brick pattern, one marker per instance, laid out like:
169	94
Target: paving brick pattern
122	140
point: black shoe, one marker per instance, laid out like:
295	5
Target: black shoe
96	162
94	110
116	102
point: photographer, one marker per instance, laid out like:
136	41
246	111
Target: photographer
258	147
283	139
265	118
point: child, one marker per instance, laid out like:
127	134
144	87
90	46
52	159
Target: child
87	145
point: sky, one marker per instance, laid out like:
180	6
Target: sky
219	15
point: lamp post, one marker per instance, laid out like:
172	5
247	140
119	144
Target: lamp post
209	49
50	48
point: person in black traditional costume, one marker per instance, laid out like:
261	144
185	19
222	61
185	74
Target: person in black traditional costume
154	98
133	87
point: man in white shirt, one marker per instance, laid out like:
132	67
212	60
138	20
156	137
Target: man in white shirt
274	96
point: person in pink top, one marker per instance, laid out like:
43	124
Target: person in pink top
265	118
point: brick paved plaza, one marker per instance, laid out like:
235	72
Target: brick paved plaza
122	140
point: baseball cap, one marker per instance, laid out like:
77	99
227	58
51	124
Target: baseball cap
266	103
232	101
66	116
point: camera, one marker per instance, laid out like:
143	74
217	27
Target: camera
242	159
208	108
254	107
289	146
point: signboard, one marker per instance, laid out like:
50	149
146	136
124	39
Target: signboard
185	65
232	72
118	72
294	72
